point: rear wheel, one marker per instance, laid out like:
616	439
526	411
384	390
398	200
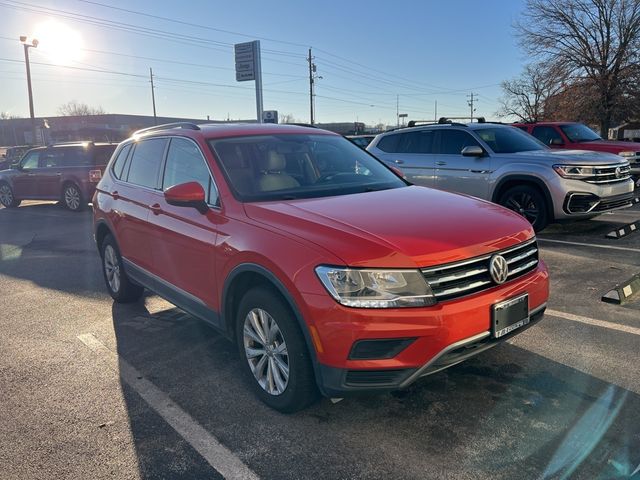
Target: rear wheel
7	198
273	352
529	202
72	197
120	287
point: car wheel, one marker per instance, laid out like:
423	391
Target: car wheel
6	196
120	287
72	197
273	352
528	202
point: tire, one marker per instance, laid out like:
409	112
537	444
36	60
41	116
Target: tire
529	202
72	197
7	198
120	287
285	382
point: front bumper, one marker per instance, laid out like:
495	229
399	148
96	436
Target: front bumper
578	199
443	335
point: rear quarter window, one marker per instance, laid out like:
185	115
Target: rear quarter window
102	154
119	162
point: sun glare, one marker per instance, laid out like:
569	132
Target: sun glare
59	43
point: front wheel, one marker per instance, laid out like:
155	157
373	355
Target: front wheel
7	198
528	202
273	352
72	198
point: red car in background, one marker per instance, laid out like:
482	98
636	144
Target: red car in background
65	172
329	271
577	136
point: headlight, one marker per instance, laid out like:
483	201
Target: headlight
365	288
627	154
575	171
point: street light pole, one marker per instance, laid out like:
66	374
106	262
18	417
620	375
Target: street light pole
27	46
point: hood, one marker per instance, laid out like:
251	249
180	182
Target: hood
613	146
570	157
404	227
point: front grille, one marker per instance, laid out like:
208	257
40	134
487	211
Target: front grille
458	279
610	174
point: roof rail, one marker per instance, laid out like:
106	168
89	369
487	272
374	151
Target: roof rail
441	121
168	126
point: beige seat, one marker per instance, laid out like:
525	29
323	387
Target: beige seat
241	176
271	174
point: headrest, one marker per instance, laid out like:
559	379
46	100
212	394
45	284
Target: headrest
274	161
231	156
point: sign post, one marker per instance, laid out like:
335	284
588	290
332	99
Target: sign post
248	67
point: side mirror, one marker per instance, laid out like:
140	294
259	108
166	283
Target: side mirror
555	142
472	151
190	194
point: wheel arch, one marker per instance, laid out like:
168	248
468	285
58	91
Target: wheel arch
248	275
519	180
101	232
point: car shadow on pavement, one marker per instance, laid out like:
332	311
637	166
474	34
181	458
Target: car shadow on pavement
51	247
508	413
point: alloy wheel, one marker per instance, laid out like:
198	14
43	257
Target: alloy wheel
112	268
72	198
524	204
266	351
6	195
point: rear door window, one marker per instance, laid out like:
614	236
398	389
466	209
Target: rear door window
389	144
145	162
416	142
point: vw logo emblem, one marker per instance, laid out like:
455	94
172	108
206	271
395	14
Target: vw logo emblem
499	269
618	172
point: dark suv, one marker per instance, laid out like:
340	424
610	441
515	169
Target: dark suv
65	172
329	271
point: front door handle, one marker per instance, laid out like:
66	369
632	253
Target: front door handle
115	195
440	163
156	209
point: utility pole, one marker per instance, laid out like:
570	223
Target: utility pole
471	98
153	97
312	69
435	112
27	46
398	111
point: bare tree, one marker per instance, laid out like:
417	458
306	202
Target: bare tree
75	108
525	97
287	118
596	40
8	116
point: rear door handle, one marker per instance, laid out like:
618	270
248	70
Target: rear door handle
440	163
156	209
399	162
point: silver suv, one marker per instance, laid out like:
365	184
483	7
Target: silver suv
508	166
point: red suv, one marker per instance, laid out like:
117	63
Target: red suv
329	271
65	172
576	136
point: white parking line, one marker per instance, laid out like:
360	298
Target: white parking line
216	454
592	321
595	245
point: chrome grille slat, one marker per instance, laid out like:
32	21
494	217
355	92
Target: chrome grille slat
462	278
526	254
522	267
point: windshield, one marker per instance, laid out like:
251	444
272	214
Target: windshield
508	140
577	132
284	167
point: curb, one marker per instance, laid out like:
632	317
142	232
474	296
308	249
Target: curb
623	292
624	230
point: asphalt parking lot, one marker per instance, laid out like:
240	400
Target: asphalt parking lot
91	389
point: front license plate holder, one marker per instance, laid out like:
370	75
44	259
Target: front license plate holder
509	315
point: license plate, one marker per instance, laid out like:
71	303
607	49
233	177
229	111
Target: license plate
510	315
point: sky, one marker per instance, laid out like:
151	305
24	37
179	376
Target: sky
375	58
